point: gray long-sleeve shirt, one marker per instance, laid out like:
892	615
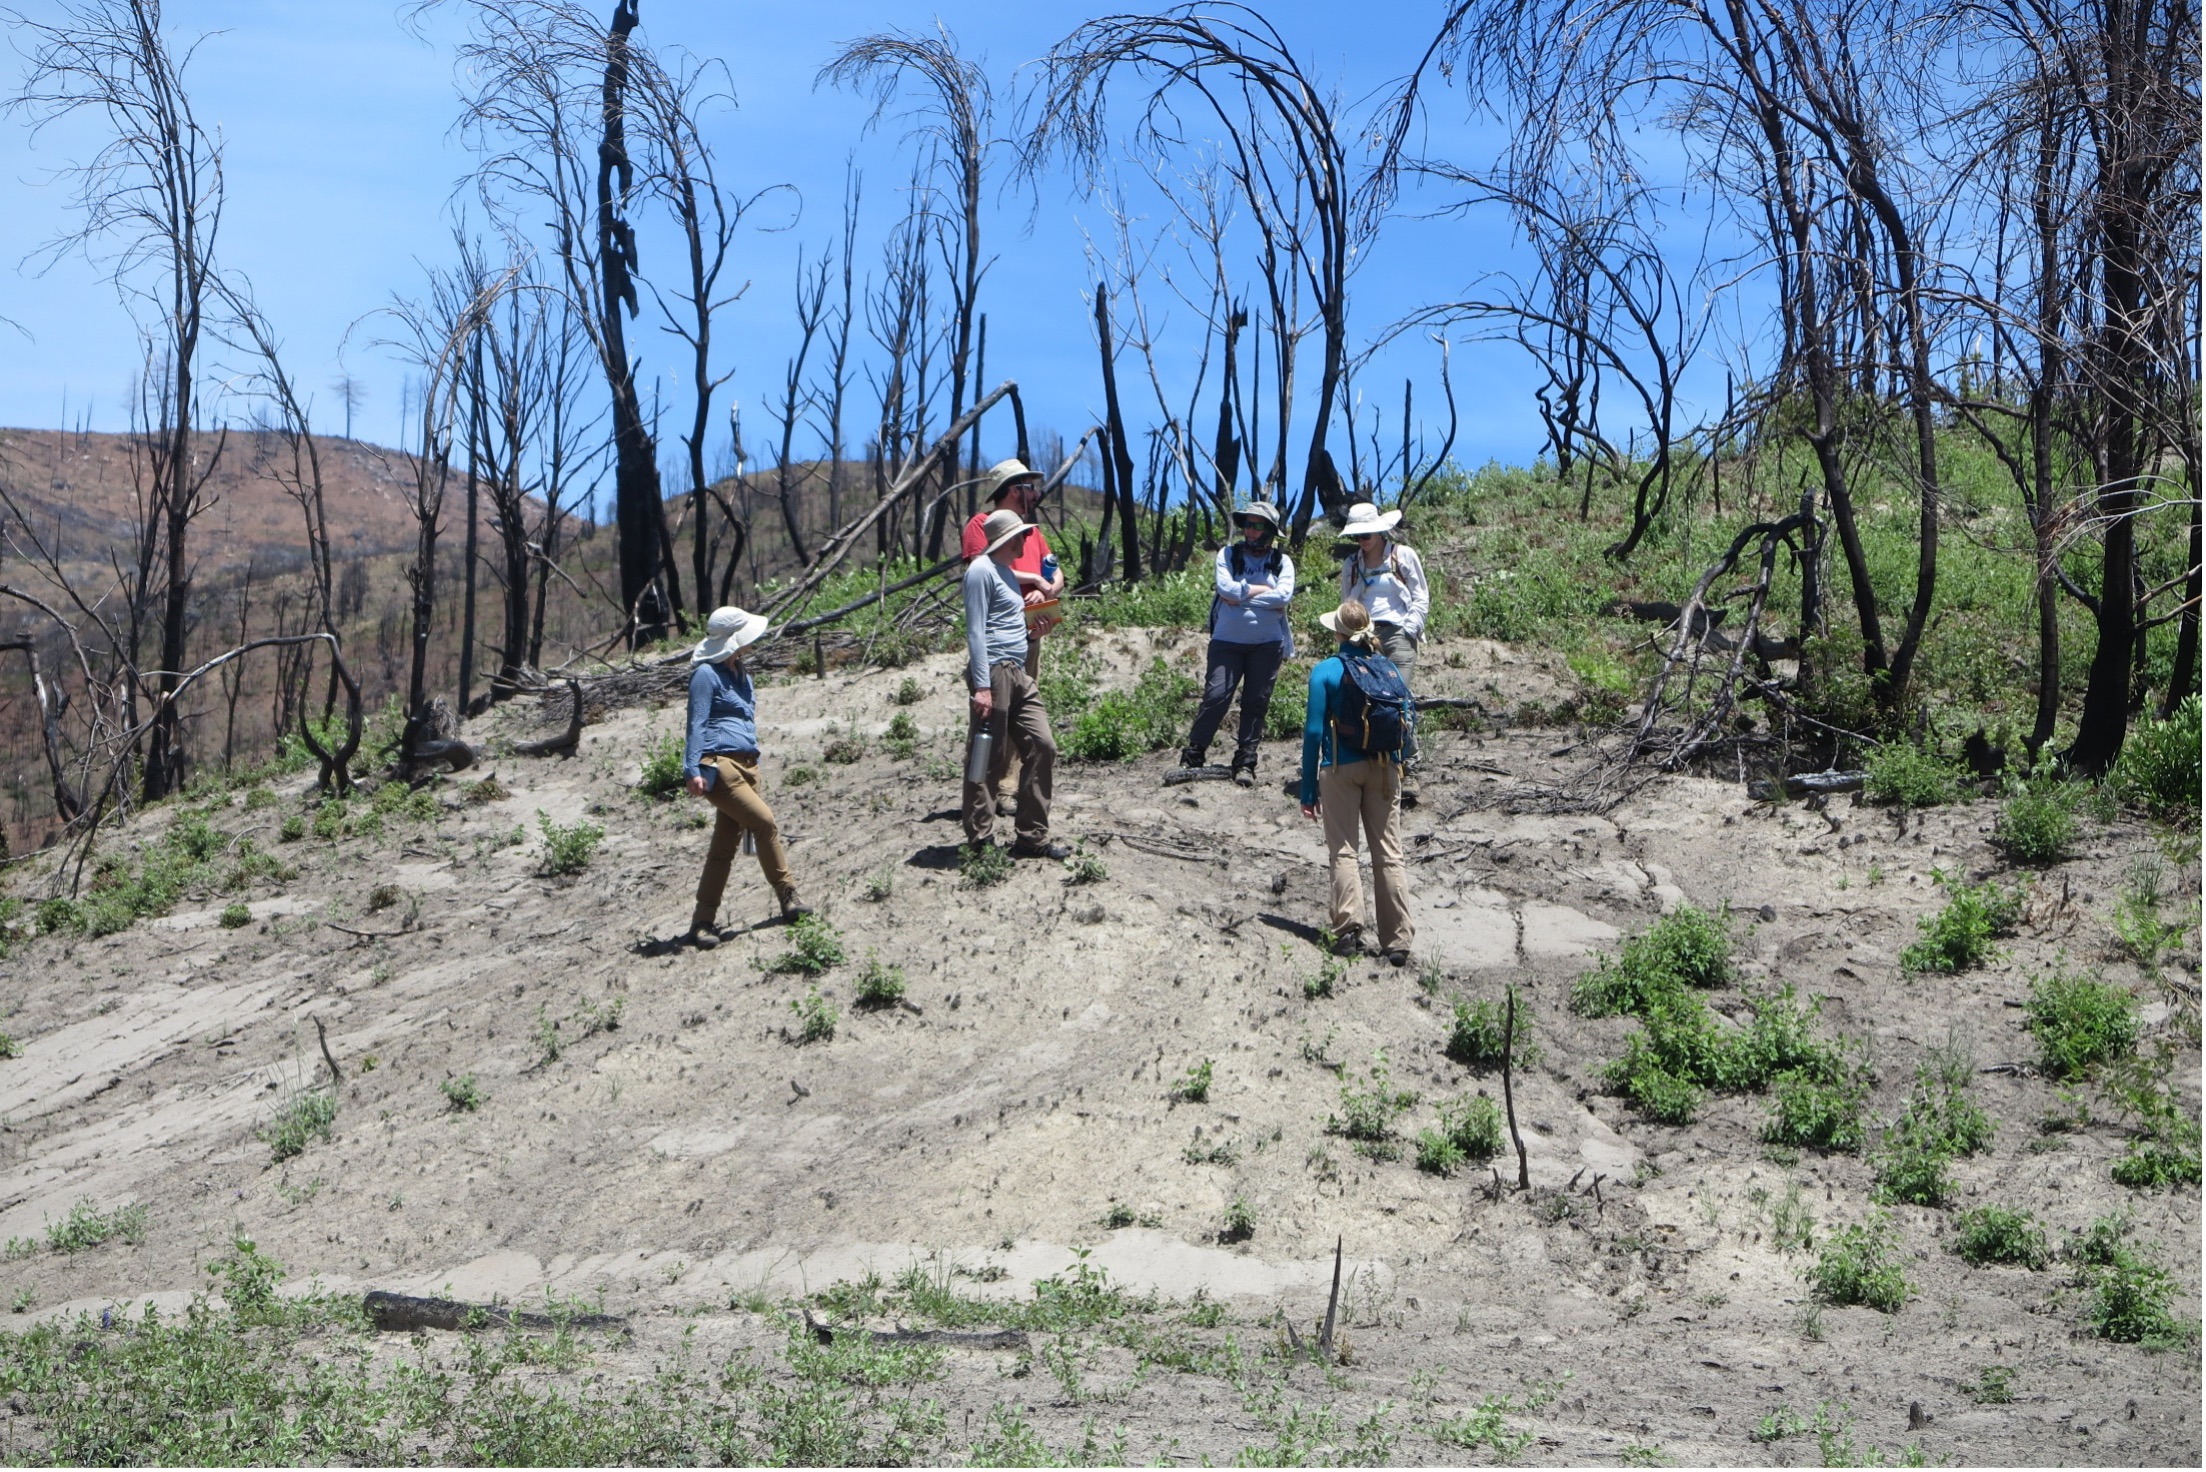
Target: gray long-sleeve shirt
995	619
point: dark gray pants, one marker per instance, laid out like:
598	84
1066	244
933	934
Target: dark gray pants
1255	669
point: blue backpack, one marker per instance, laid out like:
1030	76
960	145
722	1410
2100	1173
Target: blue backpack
1374	711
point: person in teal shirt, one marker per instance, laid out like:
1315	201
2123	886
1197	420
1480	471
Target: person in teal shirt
1350	791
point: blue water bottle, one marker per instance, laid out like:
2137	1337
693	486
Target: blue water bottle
1049	568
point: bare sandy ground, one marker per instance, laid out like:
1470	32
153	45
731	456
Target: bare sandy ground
698	1157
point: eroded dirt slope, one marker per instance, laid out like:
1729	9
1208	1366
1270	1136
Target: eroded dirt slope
697	1156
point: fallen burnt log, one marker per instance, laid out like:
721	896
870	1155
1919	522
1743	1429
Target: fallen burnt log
398	1313
1808	784
950	1338
568	741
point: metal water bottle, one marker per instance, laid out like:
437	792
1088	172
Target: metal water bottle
977	761
750	843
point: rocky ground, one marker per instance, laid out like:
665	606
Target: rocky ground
700	1167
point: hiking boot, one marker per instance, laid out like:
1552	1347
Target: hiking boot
1244	776
1348	942
791	907
1399	956
1409	796
1191	759
703	937
1043	850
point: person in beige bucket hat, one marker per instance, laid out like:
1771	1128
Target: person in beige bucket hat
720	761
1006	703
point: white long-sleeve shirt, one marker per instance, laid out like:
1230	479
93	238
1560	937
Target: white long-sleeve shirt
1395	591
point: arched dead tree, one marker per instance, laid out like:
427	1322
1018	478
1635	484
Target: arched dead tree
1285	153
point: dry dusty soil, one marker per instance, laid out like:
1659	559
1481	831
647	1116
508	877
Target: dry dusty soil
699	1167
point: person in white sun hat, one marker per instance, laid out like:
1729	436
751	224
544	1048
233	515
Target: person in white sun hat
1389	579
720	759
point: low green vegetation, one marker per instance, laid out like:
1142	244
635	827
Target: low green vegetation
568	847
1119	725
2131	1297
815	946
1861	1265
879	984
305	1117
662	773
236	916
2163	1149
1475	1035
1240	1221
1902	774
1940	1124
2159	767
145	880
901	740
983	865
1988	1235
2037	821
1960	935
1469	1131
1370	1110
816	1017
1194	1085
2079	1022
1687	948
1816	1109
87	1227
462	1095
1084	867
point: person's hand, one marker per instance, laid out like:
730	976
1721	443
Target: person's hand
1035	596
1312	810
1258	590
984	703
696	786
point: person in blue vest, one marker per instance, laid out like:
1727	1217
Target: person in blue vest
1249	638
1352	745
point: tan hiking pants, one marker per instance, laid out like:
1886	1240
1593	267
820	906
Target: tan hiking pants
1017	720
740	803
1366	796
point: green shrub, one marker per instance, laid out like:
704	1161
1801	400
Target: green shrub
1240	1221
901	740
909	691
2130	1298
2159	766
1475	1036
845	748
880	985
568	848
815	945
1960	935
2037	822
1367	1114
304	1118
59	916
462	1095
1939	1123
236	917
1860	1265
1912	1170
1194	1085
981	865
9	1047
1289	710
1123	724
1984	1235
799	777
2079	1022
2164	1151
87	1227
663	774
1084	867
1910	776
1470	1130
293	829
1812	1112
816	1017
1686	948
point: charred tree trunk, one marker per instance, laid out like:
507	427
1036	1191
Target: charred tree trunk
1120	470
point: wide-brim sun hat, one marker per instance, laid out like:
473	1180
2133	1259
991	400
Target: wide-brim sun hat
1003	475
1001	527
728	630
1330	619
1262	511
1365	519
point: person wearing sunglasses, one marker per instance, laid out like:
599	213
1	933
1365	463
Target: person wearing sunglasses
1252	585
1389	579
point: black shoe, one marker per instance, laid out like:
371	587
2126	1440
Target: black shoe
1244	776
1397	957
703	937
1192	760
1043	850
1409	797
1348	942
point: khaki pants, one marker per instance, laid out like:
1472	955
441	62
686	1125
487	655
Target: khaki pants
740	803
1017	720
1366	795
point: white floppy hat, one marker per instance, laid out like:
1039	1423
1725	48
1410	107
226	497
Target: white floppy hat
728	630
1001	527
1365	519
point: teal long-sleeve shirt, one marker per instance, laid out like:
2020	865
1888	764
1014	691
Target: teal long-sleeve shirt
1320	747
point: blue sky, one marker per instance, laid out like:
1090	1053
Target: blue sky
342	168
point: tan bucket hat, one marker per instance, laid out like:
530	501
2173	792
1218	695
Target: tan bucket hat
1001	527
1003	475
728	630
